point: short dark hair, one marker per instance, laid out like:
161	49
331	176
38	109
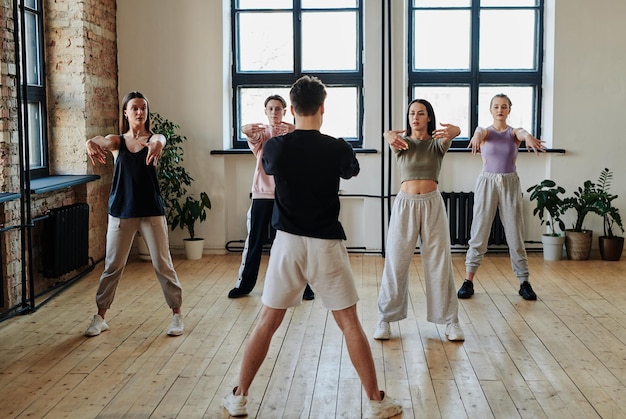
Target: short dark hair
307	94
275	97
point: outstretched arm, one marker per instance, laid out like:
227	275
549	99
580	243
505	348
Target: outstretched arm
97	147
155	148
447	133
477	139
532	143
394	138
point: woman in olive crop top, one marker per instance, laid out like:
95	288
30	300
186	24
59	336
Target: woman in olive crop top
419	214
498	186
135	204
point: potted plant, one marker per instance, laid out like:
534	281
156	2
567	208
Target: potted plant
174	180
611	246
549	208
577	239
185	217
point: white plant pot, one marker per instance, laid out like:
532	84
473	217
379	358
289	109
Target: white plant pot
193	248
552	247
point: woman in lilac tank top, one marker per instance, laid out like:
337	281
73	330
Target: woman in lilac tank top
498	187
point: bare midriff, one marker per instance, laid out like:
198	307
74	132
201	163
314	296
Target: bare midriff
418	186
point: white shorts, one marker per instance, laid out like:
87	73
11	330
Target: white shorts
298	260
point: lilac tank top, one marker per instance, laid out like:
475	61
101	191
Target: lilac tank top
499	151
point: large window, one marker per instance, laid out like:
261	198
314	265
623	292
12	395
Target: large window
32	75
463	52
276	41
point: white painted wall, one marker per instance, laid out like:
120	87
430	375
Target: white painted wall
177	53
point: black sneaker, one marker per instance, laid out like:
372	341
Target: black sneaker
466	290
236	293
526	291
308	293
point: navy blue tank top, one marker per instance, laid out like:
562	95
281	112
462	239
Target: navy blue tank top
135	190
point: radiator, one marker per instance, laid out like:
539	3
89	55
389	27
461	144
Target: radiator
65	240
459	206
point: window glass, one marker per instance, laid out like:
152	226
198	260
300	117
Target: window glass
272	49
509	3
251	109
441	3
266	44
521	115
33	64
334	47
328	4
341	111
437	48
264	4
507	39
35	132
450	103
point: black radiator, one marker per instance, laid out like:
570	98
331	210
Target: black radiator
460	206
65	240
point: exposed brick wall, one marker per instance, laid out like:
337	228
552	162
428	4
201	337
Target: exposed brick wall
81	75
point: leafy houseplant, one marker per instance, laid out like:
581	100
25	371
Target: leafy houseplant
549	205
609	213
548	200
577	239
173	177
182	209
189	212
611	246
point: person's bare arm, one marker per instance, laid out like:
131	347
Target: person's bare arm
98	146
532	143
477	139
447	133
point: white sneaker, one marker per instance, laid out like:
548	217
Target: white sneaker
236	405
385	408
454	332
383	331
97	326
177	326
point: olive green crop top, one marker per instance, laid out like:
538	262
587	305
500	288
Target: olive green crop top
422	160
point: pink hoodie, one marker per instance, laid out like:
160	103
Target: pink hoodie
262	183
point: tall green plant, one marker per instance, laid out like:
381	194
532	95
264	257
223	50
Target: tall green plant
173	178
548	204
585	200
182	208
609	213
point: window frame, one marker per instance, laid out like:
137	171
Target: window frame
33	93
284	79
474	77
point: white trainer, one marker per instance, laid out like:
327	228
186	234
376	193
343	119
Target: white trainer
236	405
176	327
383	331
385	408
454	332
97	326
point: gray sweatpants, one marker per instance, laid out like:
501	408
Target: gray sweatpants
420	217
493	191
120	235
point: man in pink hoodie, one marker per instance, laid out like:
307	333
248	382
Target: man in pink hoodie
260	212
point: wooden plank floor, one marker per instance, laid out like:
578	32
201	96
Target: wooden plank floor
563	356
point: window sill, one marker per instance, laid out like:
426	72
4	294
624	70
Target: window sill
521	150
8	196
57	182
248	151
